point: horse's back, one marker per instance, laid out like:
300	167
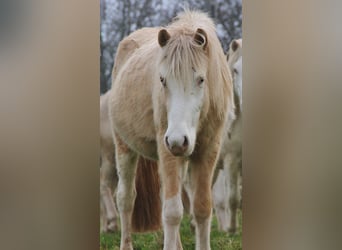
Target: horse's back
128	45
143	36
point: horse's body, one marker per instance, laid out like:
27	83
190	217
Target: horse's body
226	193
109	178
169	102
108	173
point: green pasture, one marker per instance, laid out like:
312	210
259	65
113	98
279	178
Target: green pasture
154	241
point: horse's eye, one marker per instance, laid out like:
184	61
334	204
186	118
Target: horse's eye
200	80
236	71
162	80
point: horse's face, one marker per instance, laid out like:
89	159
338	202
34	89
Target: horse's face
184	98
183	106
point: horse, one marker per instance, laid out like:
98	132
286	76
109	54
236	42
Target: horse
109	177
226	193
169	103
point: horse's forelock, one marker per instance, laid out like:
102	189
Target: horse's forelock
182	55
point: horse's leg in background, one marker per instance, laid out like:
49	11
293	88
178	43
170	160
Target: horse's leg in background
240	184
233	191
109	208
103	215
126	163
108	184
220	199
188	192
171	173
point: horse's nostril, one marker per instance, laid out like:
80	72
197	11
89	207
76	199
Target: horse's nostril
186	142
166	141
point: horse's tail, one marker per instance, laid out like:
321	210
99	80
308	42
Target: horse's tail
147	207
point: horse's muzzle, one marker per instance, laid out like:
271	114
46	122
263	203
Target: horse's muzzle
177	147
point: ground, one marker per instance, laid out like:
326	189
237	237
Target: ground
154	241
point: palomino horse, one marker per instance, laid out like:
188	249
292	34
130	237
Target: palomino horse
169	103
226	193
109	179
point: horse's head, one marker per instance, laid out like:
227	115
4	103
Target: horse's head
234	58
183	70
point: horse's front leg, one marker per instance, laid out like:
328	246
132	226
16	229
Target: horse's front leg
126	163
201	173
171	173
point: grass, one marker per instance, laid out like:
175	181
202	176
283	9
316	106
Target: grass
154	241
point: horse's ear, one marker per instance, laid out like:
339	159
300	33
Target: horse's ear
163	37
234	45
201	38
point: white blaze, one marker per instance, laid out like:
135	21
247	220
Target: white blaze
184	102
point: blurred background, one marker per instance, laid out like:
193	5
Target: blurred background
49	109
121	17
